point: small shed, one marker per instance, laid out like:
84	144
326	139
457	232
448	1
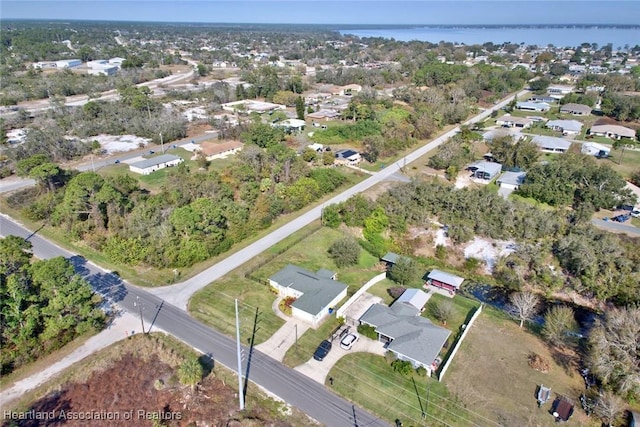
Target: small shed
443	280
562	408
595	149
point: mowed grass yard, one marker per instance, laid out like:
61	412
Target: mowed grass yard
491	375
214	305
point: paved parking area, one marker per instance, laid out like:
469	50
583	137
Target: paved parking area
361	305
319	370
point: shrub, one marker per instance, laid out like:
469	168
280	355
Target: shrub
402	367
421	371
368	331
396	291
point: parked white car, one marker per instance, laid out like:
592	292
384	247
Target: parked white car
348	341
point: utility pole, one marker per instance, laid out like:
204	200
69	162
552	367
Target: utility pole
140	309
162	142
240	390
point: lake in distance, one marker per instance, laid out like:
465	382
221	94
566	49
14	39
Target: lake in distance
565	36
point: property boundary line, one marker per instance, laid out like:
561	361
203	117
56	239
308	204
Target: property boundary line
459	342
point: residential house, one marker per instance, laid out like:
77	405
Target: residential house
68	63
595	149
543	98
103	70
147	166
318	148
576	109
485	170
316	294
347	157
291	125
533	106
559	91
117	61
220	150
490	135
551	144
324	114
511	180
347	90
406	334
510	121
443	280
612	131
251	106
567	127
314	98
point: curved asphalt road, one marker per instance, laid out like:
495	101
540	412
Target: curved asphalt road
180	293
293	387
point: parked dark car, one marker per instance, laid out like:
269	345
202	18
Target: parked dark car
621	218
323	349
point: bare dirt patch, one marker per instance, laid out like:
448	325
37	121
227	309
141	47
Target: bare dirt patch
492	376
135	381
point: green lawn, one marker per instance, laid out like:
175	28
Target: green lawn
308	342
369	381
462	309
624	163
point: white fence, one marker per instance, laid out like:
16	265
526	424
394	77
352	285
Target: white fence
358	294
455	349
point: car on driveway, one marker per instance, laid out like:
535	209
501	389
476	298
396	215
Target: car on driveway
348	341
323	349
635	213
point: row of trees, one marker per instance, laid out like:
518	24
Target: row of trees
43	304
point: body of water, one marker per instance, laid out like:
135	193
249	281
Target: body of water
541	36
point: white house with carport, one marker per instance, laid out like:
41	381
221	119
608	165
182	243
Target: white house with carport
147	166
595	149
551	144
347	157
485	170
514	121
567	127
291	125
406	334
316	293
612	131
533	106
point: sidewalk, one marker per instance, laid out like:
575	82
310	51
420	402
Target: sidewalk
119	329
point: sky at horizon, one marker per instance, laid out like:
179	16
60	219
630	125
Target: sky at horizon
332	12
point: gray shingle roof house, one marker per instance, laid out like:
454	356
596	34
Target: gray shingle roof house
567	127
576	109
550	143
315	293
511	179
612	131
409	336
485	170
533	106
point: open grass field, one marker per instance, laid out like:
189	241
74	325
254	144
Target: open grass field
491	375
369	381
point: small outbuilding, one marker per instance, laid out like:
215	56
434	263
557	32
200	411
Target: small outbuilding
147	166
562	408
447	281
595	149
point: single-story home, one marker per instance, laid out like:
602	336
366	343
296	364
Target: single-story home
103	70
511	180
347	89
567	127
533	106
347	157
324	114
483	169
559	91
490	135
512	121
291	125
443	280
408	335
220	150
542	98
314	98
595	149
612	131
147	166
551	143
318	148
316	293
576	109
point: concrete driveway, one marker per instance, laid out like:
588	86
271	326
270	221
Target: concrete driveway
361	305
319	370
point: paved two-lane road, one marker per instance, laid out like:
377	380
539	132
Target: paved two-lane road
180	293
293	387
